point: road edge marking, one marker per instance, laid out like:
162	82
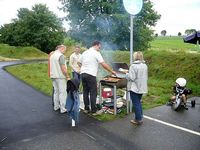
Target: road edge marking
172	125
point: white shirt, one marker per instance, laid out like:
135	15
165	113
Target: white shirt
90	61
73	62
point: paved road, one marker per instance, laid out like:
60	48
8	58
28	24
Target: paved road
28	122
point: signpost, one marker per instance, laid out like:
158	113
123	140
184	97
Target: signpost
133	7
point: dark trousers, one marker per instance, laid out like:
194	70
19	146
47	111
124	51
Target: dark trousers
89	91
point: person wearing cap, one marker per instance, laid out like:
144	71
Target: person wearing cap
59	77
90	61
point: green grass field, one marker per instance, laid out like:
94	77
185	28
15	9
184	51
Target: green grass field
172	43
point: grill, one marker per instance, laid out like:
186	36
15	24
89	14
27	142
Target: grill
119	80
115	82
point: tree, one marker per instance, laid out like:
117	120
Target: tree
108	22
179	34
163	32
38	27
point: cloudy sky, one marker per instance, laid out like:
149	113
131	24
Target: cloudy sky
177	15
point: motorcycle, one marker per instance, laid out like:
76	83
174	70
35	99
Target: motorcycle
178	103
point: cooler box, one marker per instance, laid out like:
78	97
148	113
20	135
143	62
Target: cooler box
106	92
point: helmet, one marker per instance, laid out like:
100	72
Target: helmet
181	82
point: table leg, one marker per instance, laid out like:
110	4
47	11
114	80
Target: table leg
115	100
100	93
127	101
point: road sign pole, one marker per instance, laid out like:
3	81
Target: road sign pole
131	39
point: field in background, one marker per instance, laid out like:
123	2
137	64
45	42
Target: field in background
172	43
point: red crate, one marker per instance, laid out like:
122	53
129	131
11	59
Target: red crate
107	92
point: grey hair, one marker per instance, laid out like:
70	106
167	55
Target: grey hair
61	46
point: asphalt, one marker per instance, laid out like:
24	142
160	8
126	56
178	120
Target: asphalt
28	122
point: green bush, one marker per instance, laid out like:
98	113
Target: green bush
69	42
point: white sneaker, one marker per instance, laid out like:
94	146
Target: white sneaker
56	108
63	110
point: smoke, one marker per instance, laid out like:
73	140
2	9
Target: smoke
106	29
102	28
108	46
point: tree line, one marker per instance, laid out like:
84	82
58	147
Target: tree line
187	32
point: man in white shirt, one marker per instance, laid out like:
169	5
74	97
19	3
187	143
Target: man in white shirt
90	61
73	63
59	74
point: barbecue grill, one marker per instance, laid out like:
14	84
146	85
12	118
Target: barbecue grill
118	81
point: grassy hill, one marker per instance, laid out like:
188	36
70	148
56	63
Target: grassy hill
164	68
13	52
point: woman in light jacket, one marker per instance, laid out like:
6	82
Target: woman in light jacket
137	77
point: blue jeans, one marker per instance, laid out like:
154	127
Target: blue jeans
136	100
76	75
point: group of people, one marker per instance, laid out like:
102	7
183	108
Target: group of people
84	68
